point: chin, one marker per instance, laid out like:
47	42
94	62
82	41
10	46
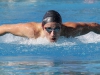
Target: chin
53	40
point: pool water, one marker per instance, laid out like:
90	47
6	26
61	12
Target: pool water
68	56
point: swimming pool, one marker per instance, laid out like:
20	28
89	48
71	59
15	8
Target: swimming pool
72	56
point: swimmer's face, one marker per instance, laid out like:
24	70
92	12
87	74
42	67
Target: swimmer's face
52	31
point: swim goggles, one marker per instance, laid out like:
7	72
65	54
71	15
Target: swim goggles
49	29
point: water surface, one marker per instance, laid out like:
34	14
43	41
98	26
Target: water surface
72	56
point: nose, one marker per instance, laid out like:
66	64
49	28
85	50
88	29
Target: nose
52	33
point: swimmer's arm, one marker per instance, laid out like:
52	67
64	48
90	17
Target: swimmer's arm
10	28
80	28
87	27
22	29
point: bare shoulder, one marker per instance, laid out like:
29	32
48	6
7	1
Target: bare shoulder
77	24
29	24
29	27
71	24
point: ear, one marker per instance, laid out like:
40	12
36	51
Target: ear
43	27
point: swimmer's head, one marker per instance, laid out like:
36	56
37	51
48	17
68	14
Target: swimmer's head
51	16
52	25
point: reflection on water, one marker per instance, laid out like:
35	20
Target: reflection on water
18	0
46	66
68	1
90	1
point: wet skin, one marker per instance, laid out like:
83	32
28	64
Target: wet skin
51	30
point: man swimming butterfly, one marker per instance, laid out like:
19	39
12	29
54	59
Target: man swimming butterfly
51	28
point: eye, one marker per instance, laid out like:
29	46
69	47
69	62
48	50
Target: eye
48	29
57	29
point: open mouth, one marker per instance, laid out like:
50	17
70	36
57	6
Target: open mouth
53	39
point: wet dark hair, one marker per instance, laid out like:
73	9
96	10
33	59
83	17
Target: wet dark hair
51	16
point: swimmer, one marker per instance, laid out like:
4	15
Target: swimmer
51	27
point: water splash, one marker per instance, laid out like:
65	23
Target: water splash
90	38
62	41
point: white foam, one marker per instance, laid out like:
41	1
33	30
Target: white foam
90	38
9	38
62	41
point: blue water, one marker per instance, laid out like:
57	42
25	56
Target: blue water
72	56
